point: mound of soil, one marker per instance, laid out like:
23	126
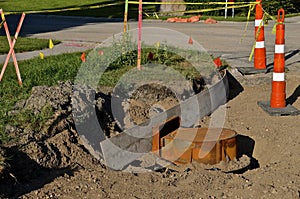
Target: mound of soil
43	154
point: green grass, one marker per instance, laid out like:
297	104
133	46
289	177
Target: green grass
34	72
29	5
114	11
25	44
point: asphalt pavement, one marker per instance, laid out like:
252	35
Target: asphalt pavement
231	41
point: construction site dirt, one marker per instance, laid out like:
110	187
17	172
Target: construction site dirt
54	164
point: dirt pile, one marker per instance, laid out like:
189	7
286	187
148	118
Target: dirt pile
47	151
53	146
51	162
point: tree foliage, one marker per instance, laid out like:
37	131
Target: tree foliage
290	6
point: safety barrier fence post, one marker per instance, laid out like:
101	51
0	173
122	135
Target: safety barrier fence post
125	16
140	18
232	10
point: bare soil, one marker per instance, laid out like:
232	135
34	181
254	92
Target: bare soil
53	163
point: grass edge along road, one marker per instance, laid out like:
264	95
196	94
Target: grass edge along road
25	44
42	5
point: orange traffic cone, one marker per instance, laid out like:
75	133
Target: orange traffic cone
83	59
277	106
278	84
260	50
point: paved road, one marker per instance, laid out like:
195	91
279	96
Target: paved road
226	39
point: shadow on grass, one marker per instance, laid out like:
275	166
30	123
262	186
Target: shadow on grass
55	21
37	23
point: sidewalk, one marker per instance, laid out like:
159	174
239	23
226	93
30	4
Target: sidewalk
64	47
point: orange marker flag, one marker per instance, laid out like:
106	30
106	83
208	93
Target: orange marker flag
51	45
191	41
218	62
100	52
83	57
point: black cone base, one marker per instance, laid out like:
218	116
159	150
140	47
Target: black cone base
251	71
286	111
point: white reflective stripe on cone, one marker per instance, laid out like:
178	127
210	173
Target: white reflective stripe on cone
260	44
278	77
279	48
258	21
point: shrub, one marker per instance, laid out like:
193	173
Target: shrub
271	6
